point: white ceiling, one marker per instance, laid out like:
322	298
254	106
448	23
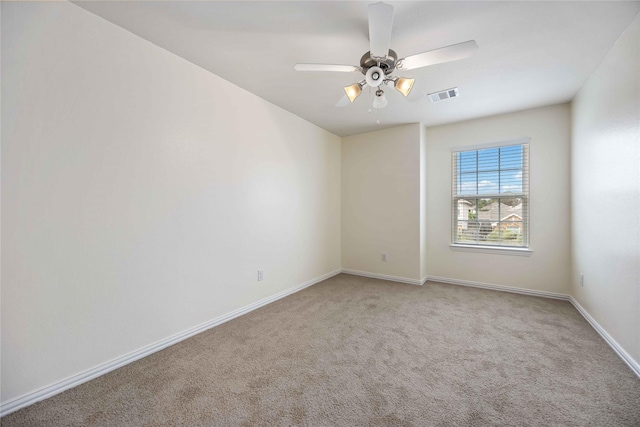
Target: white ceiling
531	53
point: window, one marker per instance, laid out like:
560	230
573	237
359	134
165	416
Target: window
491	196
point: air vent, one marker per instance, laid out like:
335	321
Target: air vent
444	94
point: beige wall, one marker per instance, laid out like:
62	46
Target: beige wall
381	201
141	194
423	202
606	192
547	268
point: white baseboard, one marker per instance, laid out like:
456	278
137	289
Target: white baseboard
626	357
383	277
634	365
502	288
82	377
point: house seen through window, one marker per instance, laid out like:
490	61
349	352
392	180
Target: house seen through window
490	196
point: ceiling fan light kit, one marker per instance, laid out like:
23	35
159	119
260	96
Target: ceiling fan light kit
375	76
380	101
379	63
404	85
354	90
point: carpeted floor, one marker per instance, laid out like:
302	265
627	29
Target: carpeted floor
354	351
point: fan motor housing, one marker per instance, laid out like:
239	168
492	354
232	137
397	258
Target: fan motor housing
388	65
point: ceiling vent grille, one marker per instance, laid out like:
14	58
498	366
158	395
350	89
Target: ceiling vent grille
443	94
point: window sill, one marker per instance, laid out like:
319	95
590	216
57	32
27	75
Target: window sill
491	250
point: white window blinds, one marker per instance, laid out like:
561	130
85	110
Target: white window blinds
490	196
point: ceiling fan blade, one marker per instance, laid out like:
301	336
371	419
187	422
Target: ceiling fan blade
344	101
380	24
437	56
327	67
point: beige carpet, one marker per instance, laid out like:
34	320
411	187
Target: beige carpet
353	351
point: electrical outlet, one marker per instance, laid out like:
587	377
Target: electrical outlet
581	279
383	257
260	275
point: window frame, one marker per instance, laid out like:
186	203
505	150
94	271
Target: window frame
525	195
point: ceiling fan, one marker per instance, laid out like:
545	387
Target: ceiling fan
379	63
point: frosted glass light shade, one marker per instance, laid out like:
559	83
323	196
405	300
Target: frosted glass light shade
404	85
375	76
353	91
380	101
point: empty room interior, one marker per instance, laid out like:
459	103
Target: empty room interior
321	213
